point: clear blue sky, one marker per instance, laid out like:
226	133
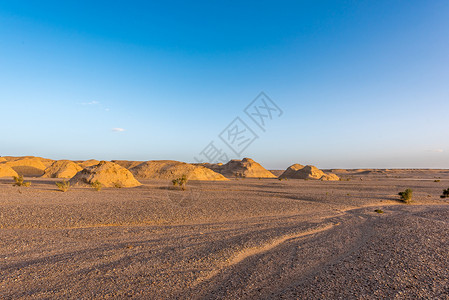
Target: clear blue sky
361	83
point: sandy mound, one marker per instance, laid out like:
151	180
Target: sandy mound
62	169
46	161
6	171
291	171
242	168
127	164
214	167
32	167
330	177
107	173
298	171
170	169
88	163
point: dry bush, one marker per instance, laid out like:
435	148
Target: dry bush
96	185
18	181
406	196
63	186
445	193
181	182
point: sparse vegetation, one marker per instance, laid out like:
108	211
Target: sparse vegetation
406	196
118	185
344	179
445	193
181	182
282	178
63	186
436	180
96	185
19	181
379	211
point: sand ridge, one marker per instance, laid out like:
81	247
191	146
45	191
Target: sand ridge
62	169
7	171
298	171
27	166
170	169
107	174
246	168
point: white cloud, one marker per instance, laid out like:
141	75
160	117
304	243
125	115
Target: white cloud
436	150
118	129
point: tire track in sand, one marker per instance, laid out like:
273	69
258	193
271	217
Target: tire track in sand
250	252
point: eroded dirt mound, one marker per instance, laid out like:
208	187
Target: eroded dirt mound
88	163
291	171
298	171
246	167
62	169
330	177
170	169
46	161
127	164
28	166
6	171
107	173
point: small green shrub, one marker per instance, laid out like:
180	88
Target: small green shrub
379	211
445	193
96	185
181	182
18	181
63	186
406	196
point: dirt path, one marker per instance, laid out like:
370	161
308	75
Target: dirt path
351	260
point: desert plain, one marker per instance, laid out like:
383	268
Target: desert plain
242	238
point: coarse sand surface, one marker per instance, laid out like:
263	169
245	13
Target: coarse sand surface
236	239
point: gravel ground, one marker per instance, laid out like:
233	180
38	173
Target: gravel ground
238	239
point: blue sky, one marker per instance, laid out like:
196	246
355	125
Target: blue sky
360	83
